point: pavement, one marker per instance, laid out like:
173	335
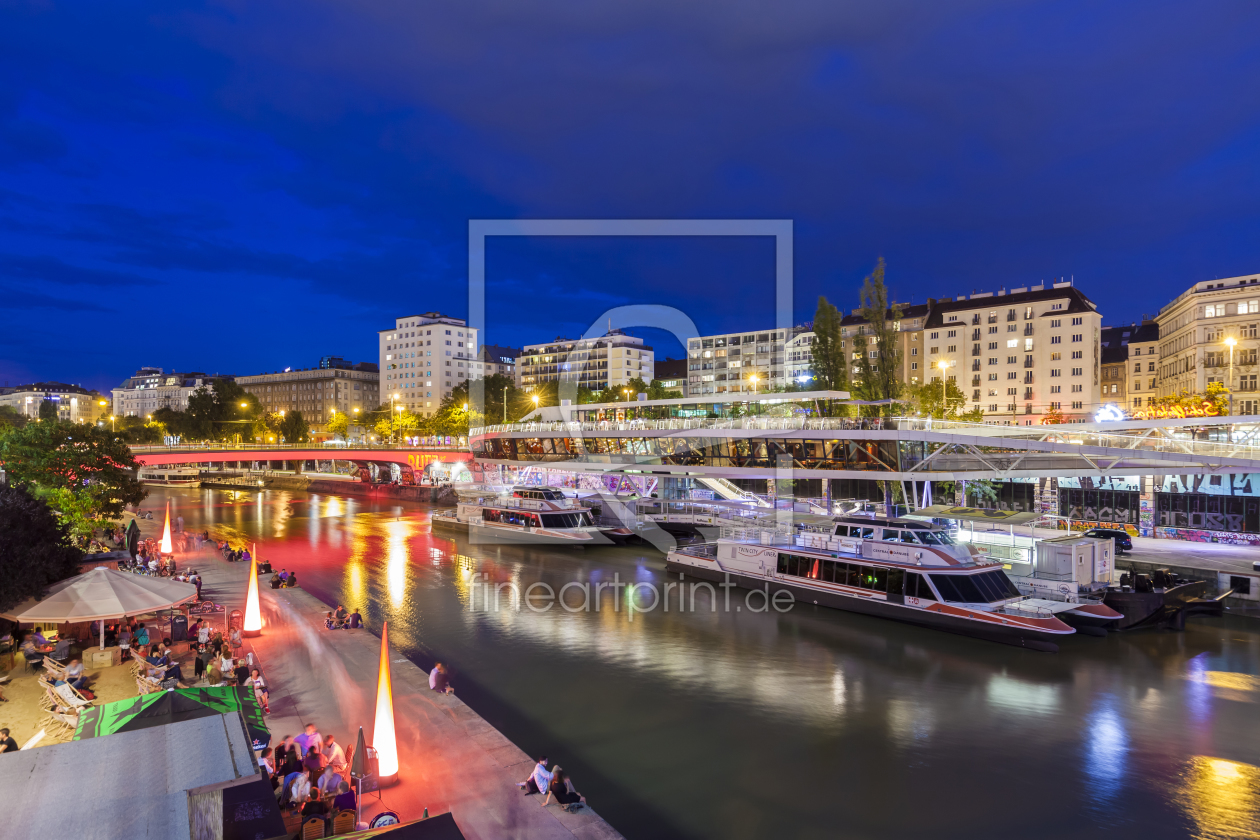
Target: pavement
450	758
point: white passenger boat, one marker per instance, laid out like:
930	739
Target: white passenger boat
527	515
902	569
174	476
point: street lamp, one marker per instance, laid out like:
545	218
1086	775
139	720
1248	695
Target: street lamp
111	423
1230	342
943	365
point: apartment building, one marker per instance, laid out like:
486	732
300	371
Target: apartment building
1019	354
151	388
493	359
73	402
424	358
720	364
907	321
1115	374
318	392
1201	329
1135	347
598	363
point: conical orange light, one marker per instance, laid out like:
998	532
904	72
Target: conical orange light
253	616
166	532
383	738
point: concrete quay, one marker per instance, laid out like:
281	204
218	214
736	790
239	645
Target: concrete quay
450	758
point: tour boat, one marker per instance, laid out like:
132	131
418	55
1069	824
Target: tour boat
175	476
528	515
902	569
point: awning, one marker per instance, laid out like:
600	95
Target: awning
103	593
172	706
974	514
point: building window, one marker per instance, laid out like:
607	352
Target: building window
1056	322
1076	322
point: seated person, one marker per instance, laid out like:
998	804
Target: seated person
340	615
74	674
276	581
329	781
562	789
345	799
329	623
292	580
33	652
439	679
356	620
314	761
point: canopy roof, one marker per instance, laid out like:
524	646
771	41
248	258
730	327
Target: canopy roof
103	593
173	706
972	514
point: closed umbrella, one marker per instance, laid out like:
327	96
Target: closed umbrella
100	594
359	769
133	539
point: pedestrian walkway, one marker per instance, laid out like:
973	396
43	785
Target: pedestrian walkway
450	758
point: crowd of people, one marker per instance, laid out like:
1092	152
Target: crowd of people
283	579
553	783
310	773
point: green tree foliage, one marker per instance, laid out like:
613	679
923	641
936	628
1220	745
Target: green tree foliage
339	425
89	462
47	410
831	367
294	428
217	413
1216	395
11	418
879	379
656	390
136	430
35	548
926	398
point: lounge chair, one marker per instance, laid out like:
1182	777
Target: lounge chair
60	724
71	697
54	668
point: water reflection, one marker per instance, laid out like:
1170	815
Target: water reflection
702	722
1222	797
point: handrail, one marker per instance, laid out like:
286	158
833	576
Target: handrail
306	447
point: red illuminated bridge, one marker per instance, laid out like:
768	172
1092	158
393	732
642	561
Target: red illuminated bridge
408	458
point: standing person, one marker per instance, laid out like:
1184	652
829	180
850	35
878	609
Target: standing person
203	633
199	665
538	780
309	738
256	682
234	639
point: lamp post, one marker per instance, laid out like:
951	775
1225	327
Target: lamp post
111	423
753	379
505	404
943	365
1229	385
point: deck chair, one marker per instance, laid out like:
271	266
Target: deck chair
68	696
55	669
314	828
343	823
60	724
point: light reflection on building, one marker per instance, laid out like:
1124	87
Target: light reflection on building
1222	797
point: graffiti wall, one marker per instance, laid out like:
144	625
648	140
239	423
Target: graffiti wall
1205	536
1085	525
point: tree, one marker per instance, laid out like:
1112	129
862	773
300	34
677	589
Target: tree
927	400
47	410
339	425
35	549
831	367
881	379
1053	417
135	430
89	462
11	418
224	410
656	390
294	428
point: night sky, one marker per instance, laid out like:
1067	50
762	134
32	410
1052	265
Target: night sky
245	186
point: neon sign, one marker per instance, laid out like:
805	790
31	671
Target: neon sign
1207	409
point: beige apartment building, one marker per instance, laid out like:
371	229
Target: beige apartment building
72	402
598	363
1196	331
1017	355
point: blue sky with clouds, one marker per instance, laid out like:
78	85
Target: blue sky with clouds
240	187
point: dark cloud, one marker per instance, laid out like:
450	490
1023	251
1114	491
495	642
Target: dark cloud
305	165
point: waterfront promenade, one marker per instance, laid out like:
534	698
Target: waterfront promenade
450	758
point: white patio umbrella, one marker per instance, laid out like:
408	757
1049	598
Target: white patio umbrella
100	594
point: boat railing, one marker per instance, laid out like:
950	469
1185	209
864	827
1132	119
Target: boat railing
1030	610
699	549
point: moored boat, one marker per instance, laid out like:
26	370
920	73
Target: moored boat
539	515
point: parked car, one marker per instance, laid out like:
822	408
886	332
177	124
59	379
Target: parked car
1123	541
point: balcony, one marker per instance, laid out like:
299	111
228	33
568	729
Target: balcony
975	349
975	335
1028	361
975	382
993	318
1028	380
975	365
975	319
1028	329
1010	316
975	396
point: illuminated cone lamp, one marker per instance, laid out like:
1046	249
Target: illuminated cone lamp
384	741
253	616
166	532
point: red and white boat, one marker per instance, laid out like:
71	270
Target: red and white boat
528	515
903	569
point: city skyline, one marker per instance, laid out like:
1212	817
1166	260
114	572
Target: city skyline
310	194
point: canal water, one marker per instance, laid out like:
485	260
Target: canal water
739	723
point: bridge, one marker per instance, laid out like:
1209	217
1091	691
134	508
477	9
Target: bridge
409	459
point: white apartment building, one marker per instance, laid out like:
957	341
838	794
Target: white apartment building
151	388
1019	354
721	364
424	358
609	361
74	403
1194	335
318	392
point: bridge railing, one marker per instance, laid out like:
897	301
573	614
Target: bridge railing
330	451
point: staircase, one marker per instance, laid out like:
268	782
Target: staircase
726	490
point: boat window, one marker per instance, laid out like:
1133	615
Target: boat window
916	585
966	589
997	585
891	536
842	530
910	537
840	574
565	520
945	538
864	533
